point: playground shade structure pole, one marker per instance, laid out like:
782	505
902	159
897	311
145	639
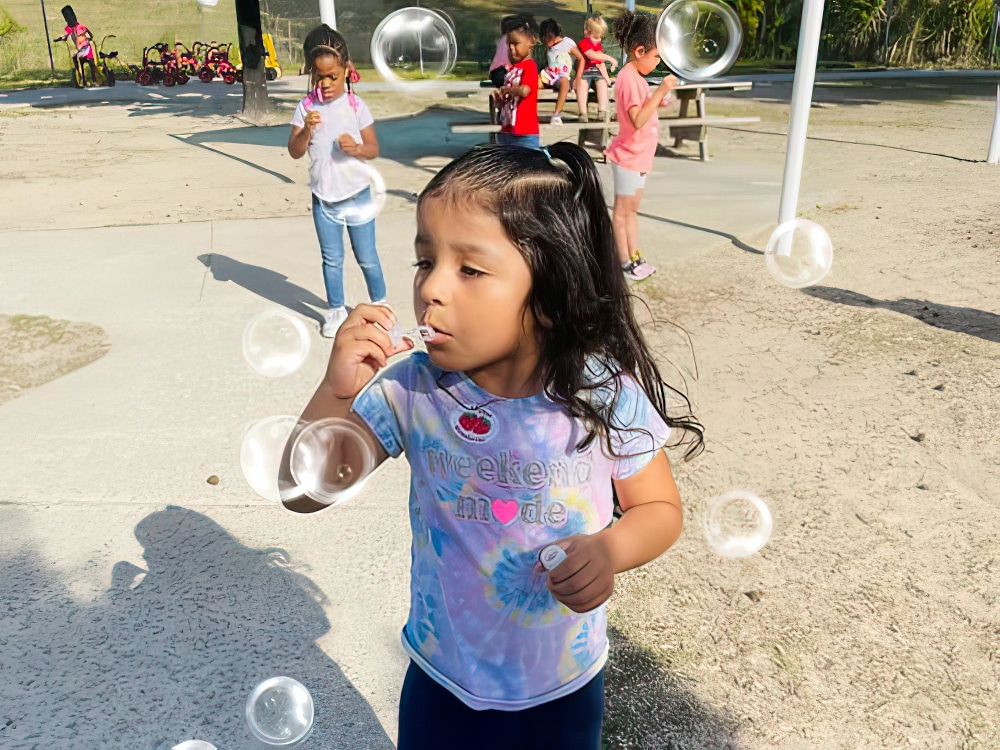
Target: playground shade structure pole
328	13
802	88
48	39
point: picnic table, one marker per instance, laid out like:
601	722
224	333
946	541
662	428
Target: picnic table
598	132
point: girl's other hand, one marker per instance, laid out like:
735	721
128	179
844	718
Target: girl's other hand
312	120
613	63
668	83
347	143
361	349
586	578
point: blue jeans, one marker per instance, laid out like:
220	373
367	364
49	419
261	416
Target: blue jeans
525	141
432	718
331	245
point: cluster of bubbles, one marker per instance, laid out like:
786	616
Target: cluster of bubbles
329	459
279	713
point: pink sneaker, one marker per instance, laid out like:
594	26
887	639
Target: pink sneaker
638	270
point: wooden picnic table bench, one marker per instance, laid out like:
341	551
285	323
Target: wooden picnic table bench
598	132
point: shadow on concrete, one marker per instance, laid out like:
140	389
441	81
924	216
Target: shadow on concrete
265	283
718	232
411	139
408	140
169	654
855	143
967	320
199	140
646	707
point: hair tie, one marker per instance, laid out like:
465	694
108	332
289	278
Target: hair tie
545	150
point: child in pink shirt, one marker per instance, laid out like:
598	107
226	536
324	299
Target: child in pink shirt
632	150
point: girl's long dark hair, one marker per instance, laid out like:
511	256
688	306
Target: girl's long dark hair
553	210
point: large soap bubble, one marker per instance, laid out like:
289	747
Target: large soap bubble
261	451
737	524
275	343
799	253
364	206
414	44
330	460
279	712
699	39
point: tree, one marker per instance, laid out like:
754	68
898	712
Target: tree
255	102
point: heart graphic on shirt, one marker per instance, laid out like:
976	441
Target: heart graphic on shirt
504	511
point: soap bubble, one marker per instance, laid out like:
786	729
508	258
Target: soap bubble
699	39
261	451
275	343
412	45
737	524
194	745
799	253
280	711
364	206
330	460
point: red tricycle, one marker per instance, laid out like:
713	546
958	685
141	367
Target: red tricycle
217	64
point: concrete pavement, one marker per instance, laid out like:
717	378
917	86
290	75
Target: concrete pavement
145	602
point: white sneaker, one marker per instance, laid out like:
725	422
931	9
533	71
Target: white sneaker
556	119
332	320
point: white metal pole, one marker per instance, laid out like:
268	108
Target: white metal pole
630	5
328	13
994	155
802	88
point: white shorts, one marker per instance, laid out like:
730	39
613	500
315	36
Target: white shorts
627	181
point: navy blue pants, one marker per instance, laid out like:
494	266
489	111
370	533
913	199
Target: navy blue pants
432	718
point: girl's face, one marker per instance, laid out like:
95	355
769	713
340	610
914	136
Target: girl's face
646	59
519	45
472	287
330	76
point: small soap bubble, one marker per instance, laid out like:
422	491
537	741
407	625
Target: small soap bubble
799	253
279	712
737	524
261	451
411	45
275	343
330	459
699	39
194	745
364	206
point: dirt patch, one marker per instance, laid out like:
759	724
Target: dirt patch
38	349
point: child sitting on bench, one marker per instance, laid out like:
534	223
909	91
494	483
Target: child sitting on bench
563	55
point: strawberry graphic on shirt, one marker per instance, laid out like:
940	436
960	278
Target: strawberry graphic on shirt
475	426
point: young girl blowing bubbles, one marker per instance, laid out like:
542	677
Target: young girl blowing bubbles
536	397
632	150
338	130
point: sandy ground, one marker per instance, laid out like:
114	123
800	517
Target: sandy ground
145	602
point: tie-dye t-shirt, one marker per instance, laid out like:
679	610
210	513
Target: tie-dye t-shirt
493	481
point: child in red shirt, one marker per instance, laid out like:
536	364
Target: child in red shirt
594	29
519	95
